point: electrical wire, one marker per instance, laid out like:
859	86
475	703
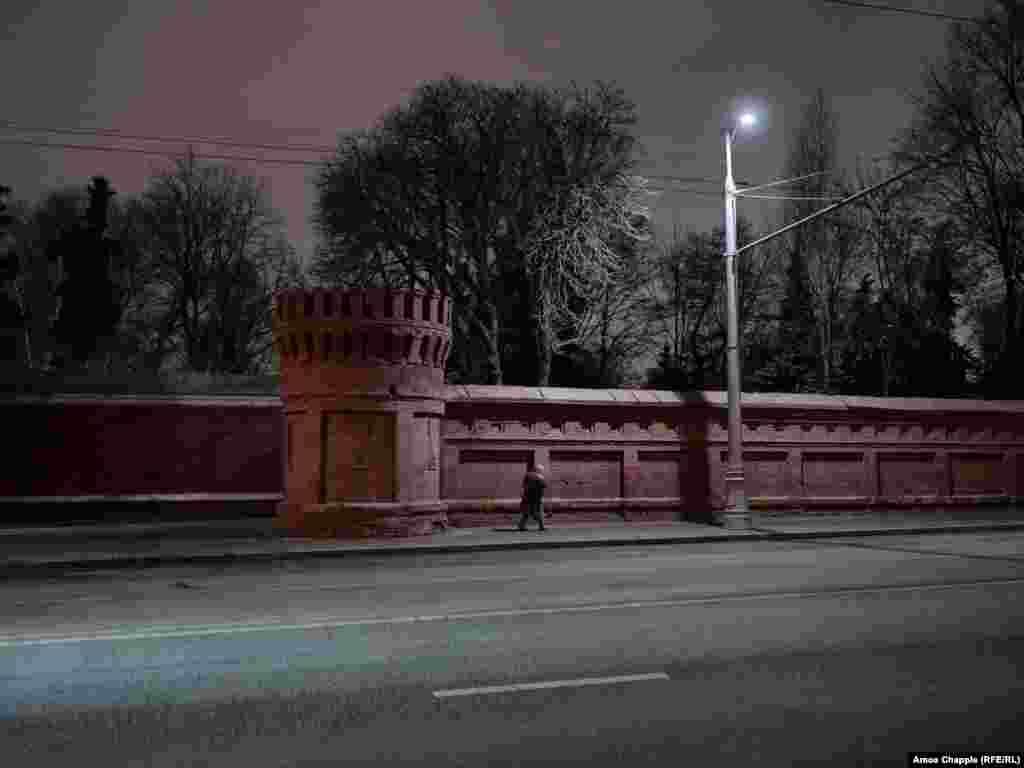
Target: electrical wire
271	160
684	191
898	9
683	179
299	162
787	197
111	133
781	182
154	152
223	142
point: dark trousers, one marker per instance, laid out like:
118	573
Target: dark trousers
534	509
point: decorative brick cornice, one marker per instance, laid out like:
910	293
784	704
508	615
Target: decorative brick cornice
356	327
756	405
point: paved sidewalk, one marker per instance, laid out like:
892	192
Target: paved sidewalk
28	550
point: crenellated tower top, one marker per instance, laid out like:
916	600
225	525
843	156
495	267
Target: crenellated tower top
368	341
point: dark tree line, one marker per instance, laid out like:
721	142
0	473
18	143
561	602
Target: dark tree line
516	202
915	290
867	304
972	107
520	203
179	278
11	317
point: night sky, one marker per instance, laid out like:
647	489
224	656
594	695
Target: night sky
301	72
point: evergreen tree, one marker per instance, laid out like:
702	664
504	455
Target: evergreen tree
820	257
669	373
12	320
970	111
792	366
860	356
942	363
7	272
90	301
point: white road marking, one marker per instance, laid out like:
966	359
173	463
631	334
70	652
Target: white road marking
218	582
503	578
577	683
202	630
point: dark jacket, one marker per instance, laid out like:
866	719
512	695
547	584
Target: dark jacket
533	487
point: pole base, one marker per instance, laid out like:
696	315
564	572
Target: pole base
737	521
736	515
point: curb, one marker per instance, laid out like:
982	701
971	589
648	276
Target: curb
26	568
909	531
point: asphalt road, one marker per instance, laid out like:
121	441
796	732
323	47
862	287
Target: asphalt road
854	651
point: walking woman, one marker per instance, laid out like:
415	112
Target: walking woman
533	496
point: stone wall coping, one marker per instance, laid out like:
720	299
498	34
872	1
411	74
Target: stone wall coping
469	393
369	290
475	393
249	401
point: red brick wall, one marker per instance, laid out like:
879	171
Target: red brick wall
122	446
609	453
641	454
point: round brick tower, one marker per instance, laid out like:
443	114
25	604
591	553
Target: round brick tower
362	380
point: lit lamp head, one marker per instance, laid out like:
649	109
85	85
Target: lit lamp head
739	122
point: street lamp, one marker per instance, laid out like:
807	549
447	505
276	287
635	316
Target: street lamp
737	510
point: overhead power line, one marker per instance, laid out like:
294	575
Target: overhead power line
684	179
900	9
787	197
168	153
154	152
684	191
227	142
781	182
281	161
111	133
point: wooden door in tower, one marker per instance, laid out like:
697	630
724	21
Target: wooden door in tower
359	457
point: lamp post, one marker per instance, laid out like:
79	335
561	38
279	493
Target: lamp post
737	510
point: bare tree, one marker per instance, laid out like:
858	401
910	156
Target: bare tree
688	301
448	191
615	328
823	253
572	254
217	254
913	274
36	231
971	112
12	317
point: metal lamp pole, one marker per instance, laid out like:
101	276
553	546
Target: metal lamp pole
737	510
